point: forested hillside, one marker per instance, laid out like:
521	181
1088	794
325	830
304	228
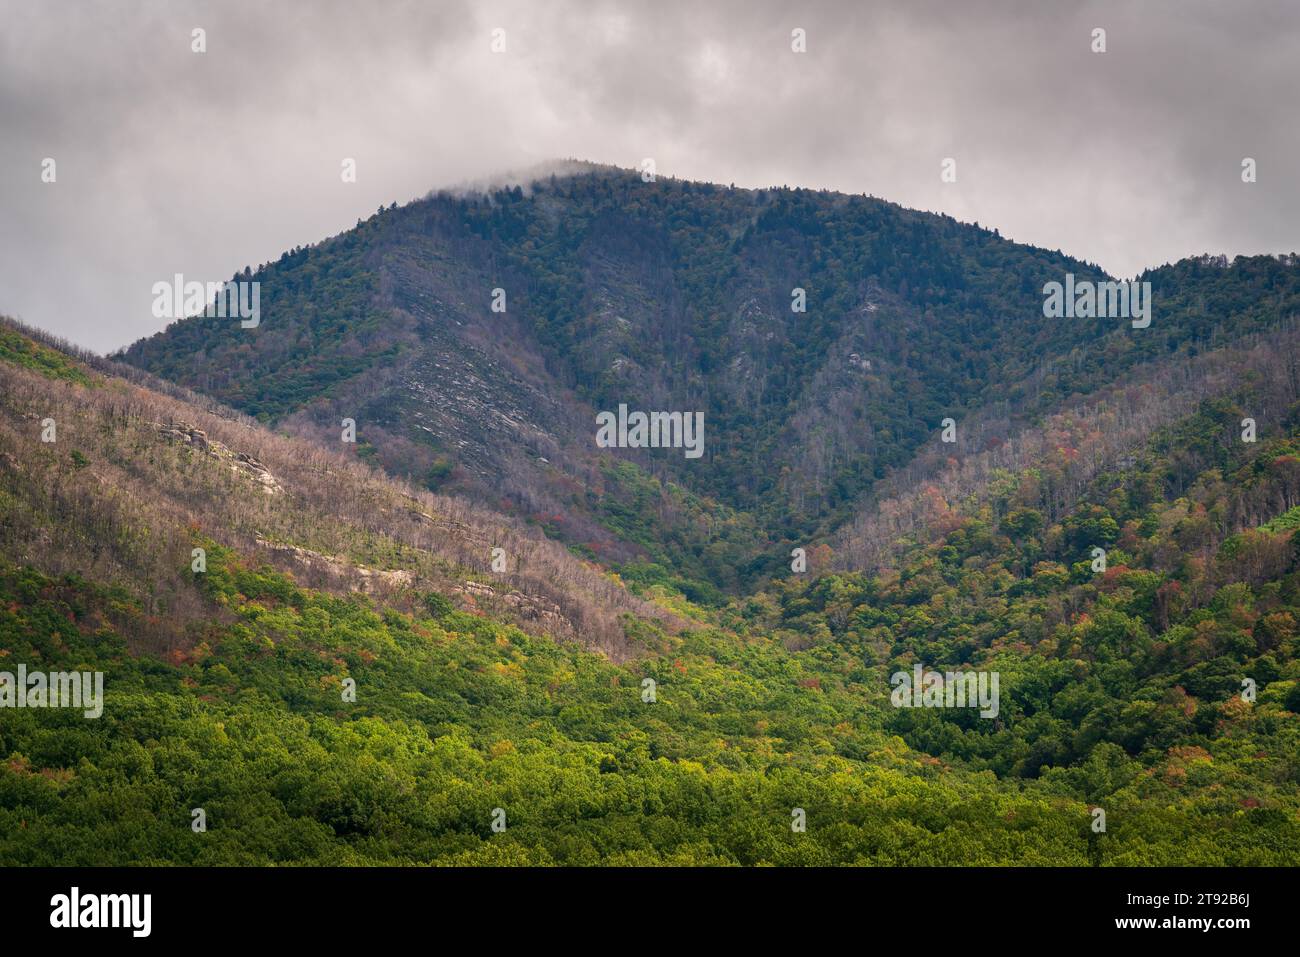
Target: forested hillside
674	295
601	728
132	476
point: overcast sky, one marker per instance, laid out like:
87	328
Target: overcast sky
172	161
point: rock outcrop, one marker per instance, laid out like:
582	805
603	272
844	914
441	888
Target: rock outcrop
240	462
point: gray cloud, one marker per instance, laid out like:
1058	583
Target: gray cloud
171	162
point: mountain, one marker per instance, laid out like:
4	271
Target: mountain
475	636
679	296
347	680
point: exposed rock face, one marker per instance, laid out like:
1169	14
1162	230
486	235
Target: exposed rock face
478	589
337	569
522	607
258	471
240	462
196	438
476	595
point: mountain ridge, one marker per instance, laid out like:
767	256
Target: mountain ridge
678	295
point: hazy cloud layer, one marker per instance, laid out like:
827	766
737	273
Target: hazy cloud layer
170	161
